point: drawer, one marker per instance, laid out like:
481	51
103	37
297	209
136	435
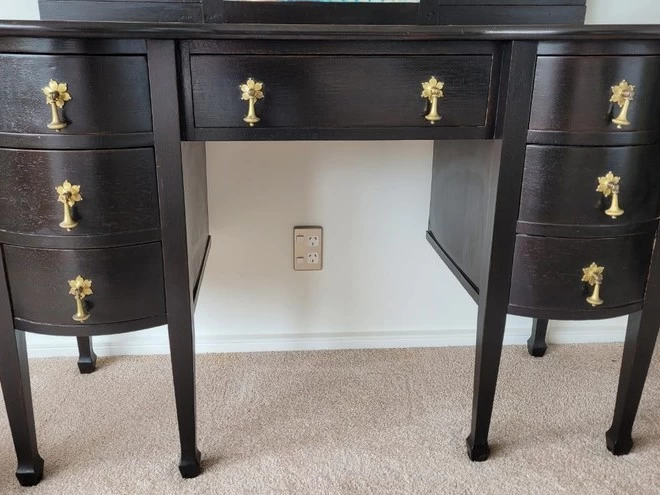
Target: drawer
560	188
127	283
572	94
118	189
108	94
548	271
340	91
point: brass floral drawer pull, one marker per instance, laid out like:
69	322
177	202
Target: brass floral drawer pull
69	195
433	91
593	275
609	186
57	94
251	92
622	94
80	288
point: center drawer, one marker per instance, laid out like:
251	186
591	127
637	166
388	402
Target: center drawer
340	91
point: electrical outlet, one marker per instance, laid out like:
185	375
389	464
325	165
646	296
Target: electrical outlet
307	248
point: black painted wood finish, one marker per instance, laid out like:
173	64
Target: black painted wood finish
118	187
486	189
127	283
86	355
500	240
176	256
536	345
109	94
572	100
559	194
306	12
314	92
547	275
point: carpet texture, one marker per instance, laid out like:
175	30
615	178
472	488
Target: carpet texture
340	422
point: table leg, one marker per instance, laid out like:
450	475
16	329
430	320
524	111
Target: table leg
86	356
641	336
15	378
500	236
536	344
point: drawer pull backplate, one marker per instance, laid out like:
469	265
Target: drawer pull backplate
622	94
609	186
433	91
57	94
593	275
68	195
80	288
251	92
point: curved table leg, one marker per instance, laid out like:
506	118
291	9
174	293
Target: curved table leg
536	345
86	355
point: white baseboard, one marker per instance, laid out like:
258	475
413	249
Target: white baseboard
155	341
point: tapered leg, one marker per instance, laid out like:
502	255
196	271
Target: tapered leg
641	336
86	357
15	378
161	56
500	237
536	344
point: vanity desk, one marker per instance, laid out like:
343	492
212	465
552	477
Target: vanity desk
545	196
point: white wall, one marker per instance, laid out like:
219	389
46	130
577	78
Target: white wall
382	285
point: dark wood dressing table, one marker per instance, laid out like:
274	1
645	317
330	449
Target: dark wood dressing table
545	197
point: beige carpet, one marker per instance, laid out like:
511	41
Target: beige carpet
342	422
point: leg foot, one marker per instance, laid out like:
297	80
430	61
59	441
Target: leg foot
31	475
536	345
641	335
191	467
87	357
620	445
477	453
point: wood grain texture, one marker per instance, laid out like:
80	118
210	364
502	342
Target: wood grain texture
460	191
109	94
127	283
118	188
499	238
547	272
572	94
559	190
138	11
17	392
316	92
178	285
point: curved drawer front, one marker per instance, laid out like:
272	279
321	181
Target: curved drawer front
573	94
118	192
127	283
548	272
107	94
560	188
316	92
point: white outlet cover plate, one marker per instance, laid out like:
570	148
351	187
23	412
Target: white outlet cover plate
308	245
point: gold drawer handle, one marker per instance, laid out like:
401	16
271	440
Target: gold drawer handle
57	94
80	288
609	186
432	91
593	275
251	92
622	94
69	195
